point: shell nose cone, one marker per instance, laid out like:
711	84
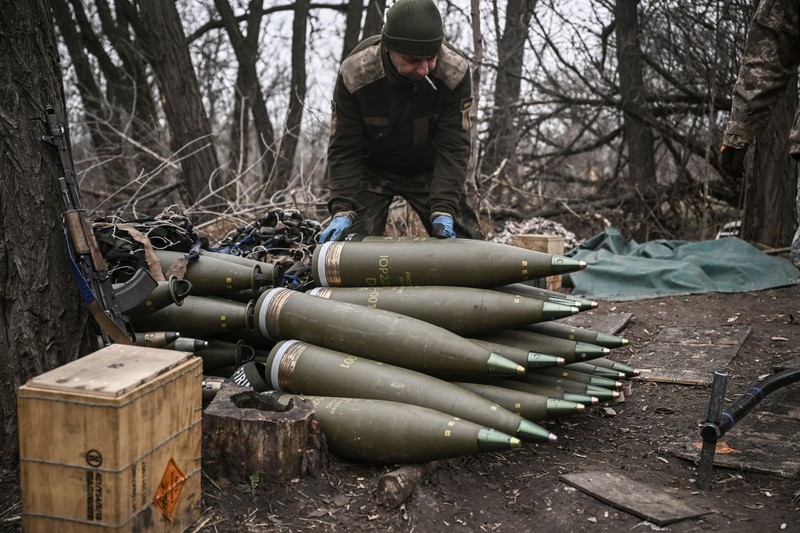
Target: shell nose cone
497	364
530	432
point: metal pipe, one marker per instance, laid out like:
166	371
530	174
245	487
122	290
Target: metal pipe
708	452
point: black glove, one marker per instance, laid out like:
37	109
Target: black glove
733	160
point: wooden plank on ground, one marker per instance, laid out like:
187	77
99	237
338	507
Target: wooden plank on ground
642	500
766	440
603	322
689	355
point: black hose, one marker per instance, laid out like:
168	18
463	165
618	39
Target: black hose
712	432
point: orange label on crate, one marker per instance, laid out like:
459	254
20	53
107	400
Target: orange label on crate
169	490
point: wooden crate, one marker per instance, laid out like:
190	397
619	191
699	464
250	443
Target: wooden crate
550	244
111	442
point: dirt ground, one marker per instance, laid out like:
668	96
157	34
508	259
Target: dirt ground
520	490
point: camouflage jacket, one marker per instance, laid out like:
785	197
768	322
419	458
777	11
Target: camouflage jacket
772	54
393	125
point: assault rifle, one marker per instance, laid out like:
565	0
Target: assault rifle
105	301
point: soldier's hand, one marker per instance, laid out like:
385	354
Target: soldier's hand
733	160
336	229
443	227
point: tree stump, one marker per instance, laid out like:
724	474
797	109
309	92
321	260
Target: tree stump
247	433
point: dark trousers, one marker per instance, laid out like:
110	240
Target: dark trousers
379	190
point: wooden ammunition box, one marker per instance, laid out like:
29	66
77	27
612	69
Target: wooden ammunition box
549	244
111	442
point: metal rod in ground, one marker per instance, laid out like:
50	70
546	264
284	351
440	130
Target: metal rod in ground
708	452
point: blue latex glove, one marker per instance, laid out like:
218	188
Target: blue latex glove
336	229
443	227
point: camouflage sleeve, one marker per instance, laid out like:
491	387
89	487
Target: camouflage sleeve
344	150
452	144
772	54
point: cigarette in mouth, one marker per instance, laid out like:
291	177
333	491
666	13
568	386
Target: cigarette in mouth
430	82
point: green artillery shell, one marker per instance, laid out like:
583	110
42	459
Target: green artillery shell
552	391
586	379
215	277
251	337
199	316
245	295
172	291
608	363
569	385
220	354
462	310
564	331
594	370
571	351
302	368
602	392
374	333
523	289
527	405
521	356
460	262
259	356
381	431
270	270
155	339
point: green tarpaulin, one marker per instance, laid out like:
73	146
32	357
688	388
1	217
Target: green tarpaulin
625	270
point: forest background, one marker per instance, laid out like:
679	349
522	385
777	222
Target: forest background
594	113
222	107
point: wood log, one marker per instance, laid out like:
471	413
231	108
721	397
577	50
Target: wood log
395	487
248	437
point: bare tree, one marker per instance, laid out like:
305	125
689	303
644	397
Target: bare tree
373	22
473	193
352	26
297	96
160	32
503	133
117	102
43	323
248	96
638	135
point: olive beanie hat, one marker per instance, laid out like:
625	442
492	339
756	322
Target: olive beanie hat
413	27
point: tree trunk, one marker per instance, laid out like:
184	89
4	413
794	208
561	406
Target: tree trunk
352	26
638	136
297	97
164	44
113	170
472	189
503	135
248	97
769	199
131	88
373	23
128	103
43	323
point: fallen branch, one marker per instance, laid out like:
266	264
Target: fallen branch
396	487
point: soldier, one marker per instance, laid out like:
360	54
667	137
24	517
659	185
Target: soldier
400	127
772	54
